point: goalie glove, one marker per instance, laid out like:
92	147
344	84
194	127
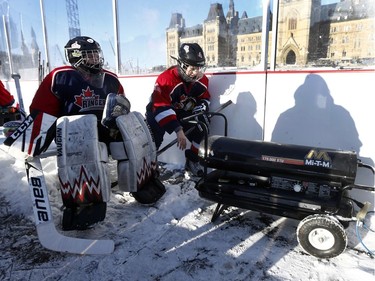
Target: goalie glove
122	106
115	106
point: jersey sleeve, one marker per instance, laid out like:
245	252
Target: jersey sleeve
6	99
120	89
162	105
205	95
45	100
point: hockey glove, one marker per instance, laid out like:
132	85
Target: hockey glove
201	108
10	127
189	104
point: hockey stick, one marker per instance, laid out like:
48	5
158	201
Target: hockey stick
48	235
16	78
220	108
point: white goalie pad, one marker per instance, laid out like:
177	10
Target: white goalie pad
81	160
136	155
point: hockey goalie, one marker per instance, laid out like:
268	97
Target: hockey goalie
83	110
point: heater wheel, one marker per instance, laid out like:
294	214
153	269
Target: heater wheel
321	236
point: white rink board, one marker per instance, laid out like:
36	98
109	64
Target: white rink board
340	115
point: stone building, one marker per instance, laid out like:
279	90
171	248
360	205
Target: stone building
307	34
348	31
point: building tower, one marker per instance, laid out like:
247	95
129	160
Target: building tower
215	35
176	25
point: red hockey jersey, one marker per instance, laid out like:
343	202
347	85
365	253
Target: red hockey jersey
64	92
6	99
171	95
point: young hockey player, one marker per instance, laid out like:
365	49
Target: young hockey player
78	89
81	88
84	109
180	91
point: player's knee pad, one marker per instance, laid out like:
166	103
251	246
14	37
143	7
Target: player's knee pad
136	156
81	161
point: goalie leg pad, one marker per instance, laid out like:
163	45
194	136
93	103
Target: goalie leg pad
137	163
136	155
81	161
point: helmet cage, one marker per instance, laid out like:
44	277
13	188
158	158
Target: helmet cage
85	54
191	61
89	60
190	73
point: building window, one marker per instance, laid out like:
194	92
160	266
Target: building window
347	28
345	39
292	24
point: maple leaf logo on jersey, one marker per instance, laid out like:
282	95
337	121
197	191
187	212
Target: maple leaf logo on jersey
87	100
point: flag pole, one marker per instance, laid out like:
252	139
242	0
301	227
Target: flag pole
7	39
45	39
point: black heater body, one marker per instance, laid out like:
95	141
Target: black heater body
287	180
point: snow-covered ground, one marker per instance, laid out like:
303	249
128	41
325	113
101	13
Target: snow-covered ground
172	240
